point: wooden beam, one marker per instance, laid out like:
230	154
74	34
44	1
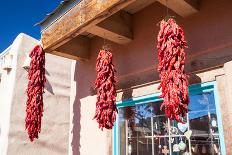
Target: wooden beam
183	8
138	5
79	19
117	28
77	49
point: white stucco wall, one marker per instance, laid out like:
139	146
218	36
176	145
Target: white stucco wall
6	92
53	138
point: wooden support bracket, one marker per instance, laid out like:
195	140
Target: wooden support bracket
117	28
138	5
77	49
183	8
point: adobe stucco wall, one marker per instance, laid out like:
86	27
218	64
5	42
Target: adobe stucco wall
225	97
6	92
54	136
209	39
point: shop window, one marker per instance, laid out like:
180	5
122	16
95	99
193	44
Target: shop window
143	129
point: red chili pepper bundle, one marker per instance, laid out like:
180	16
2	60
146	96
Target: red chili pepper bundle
106	91
174	80
35	90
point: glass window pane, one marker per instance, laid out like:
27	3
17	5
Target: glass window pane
203	123
145	130
205	145
160	125
142	146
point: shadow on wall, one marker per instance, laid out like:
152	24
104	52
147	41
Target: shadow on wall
48	85
127	94
84	86
194	79
76	118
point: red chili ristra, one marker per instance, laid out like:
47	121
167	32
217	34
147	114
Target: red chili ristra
174	80
106	91
35	90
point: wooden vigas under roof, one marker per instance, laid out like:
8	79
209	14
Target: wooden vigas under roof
109	19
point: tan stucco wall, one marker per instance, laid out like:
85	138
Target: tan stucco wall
91	140
209	39
225	96
54	136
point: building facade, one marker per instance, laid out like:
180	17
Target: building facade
77	30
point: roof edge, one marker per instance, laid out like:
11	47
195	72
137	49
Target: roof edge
64	7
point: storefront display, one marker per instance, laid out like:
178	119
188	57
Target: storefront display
149	132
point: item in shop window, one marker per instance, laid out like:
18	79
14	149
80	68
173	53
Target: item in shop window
182	126
171	140
176	148
188	134
156	125
160	146
174	80
106	110
174	130
166	126
129	149
182	146
213	122
165	150
203	149
186	153
215	148
195	148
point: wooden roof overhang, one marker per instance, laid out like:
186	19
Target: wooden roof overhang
109	19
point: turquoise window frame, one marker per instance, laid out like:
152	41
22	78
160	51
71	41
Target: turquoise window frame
193	89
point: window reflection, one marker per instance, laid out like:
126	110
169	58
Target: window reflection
145	130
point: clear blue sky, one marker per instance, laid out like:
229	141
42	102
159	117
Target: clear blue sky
18	16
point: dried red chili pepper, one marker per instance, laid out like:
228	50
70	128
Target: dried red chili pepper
35	90
174	80
106	92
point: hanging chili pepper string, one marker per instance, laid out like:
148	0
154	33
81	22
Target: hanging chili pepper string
106	91
174	80
35	90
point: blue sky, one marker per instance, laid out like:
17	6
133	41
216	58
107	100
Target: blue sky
18	16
